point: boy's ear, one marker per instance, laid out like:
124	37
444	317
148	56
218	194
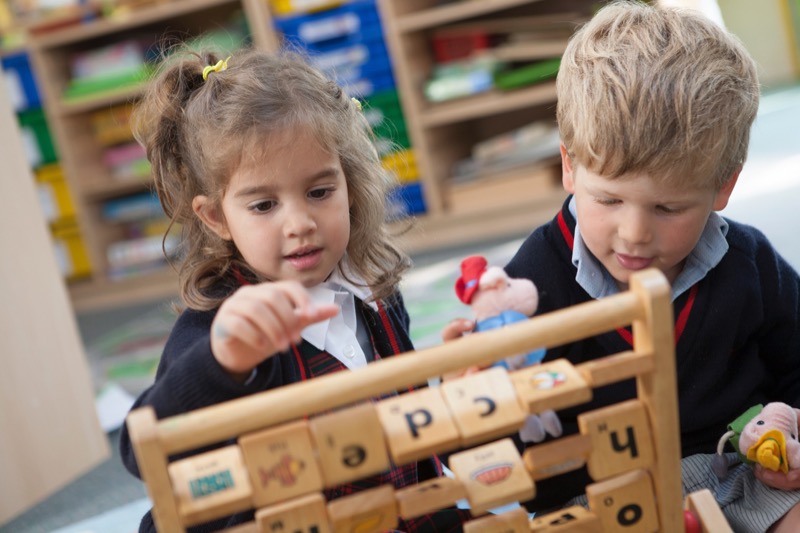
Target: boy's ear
724	194
211	215
567	171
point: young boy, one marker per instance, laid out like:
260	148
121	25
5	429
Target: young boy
654	109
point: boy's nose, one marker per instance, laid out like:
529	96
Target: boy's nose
634	228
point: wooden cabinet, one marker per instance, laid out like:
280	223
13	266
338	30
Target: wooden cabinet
506	202
81	153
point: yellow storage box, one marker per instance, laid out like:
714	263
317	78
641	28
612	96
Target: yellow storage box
290	7
54	195
403	165
73	260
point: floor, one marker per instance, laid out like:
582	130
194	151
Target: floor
124	345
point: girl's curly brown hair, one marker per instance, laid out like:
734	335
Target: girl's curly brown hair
198	132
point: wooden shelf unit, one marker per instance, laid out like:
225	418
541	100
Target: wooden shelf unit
443	133
80	152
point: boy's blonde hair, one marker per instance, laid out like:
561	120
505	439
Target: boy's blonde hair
657	90
198	132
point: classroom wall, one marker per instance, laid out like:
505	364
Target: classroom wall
49	431
766	29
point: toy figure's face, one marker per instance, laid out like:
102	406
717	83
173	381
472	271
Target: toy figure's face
635	222
773	416
288	213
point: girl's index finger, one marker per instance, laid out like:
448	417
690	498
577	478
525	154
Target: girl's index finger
312	314
304	307
316	313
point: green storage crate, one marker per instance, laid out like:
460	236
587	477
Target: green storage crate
36	133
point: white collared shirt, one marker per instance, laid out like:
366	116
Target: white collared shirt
339	335
708	252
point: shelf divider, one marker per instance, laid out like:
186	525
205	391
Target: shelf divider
487	104
438	16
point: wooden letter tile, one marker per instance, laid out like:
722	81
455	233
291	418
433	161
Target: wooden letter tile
350	443
211	484
553	385
515	521
493	475
557	457
428	496
306	514
620	437
281	462
484	405
625	502
570	520
367	511
417	425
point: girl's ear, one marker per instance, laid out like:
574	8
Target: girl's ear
567	170
211	215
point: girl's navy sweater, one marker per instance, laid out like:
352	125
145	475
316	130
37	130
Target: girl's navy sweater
188	378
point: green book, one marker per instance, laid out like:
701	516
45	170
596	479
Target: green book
527	75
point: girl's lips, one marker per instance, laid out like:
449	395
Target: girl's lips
305	260
631	262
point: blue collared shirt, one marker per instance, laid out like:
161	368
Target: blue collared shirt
710	250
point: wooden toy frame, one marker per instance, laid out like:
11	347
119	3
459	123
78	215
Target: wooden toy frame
641	457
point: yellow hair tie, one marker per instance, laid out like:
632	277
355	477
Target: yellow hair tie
221	65
357	104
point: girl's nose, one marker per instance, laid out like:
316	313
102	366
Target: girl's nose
298	221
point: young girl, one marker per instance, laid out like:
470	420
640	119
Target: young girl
287	270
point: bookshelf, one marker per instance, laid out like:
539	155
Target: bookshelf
72	121
501	202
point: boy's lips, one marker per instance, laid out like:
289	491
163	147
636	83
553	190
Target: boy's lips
632	262
304	258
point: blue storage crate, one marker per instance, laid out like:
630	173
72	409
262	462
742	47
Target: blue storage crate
368	60
406	200
136	207
365	87
21	83
350	23
371	38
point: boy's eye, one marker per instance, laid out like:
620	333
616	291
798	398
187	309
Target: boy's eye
669	210
607	201
263	206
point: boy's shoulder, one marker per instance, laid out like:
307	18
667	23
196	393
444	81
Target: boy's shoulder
747	240
752	261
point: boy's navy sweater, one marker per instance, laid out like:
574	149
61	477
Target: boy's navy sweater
189	378
738	333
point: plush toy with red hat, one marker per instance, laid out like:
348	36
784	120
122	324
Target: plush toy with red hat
496	301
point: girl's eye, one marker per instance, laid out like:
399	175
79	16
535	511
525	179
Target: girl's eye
319	194
262	206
